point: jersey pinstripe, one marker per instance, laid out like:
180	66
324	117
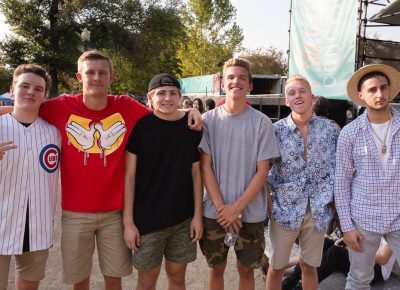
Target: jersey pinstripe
28	173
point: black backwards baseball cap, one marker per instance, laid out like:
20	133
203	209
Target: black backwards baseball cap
163	80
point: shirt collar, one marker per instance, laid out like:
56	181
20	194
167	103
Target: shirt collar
395	115
292	125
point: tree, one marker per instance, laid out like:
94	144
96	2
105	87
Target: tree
44	32
266	60
5	79
211	36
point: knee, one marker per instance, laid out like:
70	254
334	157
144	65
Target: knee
306	268
148	280
218	271
245	272
176	276
112	282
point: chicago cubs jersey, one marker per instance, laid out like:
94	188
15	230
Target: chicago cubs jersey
28	177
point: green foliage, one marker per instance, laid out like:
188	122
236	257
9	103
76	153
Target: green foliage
266	61
44	33
5	79
211	36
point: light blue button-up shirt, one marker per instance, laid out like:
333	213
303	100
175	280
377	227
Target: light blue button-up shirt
294	181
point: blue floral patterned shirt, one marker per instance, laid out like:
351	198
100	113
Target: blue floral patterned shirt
295	181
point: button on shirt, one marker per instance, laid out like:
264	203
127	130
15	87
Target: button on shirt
295	181
366	193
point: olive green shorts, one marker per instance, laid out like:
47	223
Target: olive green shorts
249	247
172	242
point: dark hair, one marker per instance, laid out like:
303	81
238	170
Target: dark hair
201	105
210	104
371	75
321	106
35	69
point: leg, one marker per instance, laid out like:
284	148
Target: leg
179	251
22	284
83	285
213	248
246	277
4	269
112	283
291	281
334	259
216	277
274	279
77	247
176	275
148	280
362	263
309	276
30	269
281	245
114	257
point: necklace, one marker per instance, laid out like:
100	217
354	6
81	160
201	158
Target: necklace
383	142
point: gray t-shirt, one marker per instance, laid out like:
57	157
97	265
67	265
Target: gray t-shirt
236	142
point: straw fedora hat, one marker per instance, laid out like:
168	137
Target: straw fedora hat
392	74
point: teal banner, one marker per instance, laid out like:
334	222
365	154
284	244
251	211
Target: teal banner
323	44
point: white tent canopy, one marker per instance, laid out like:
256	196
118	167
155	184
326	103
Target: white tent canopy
388	15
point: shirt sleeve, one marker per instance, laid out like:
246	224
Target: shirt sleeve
268	147
343	179
205	144
132	145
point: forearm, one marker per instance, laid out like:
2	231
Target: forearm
128	201
254	187
210	182
197	190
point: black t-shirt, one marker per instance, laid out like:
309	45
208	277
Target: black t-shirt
163	184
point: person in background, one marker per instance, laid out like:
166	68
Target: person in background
187	103
210	105
198	104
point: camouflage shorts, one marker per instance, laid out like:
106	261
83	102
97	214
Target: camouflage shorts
249	247
173	243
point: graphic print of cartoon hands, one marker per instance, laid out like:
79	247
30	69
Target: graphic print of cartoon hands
83	136
109	137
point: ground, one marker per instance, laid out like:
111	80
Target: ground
196	278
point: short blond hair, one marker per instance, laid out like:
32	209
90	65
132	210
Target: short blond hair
244	63
94	55
300	78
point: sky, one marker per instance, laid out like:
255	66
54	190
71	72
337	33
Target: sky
265	23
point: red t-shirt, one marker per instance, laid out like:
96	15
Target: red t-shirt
93	149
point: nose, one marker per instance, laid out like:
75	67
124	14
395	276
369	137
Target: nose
30	91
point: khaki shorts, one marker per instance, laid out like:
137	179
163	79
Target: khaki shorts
80	233
282	240
29	266
249	247
172	242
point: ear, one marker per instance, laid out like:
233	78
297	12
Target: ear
286	102
12	90
251	87
112	77
222	85
360	96
150	101
79	77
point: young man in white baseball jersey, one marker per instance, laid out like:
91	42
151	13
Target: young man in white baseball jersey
28	180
